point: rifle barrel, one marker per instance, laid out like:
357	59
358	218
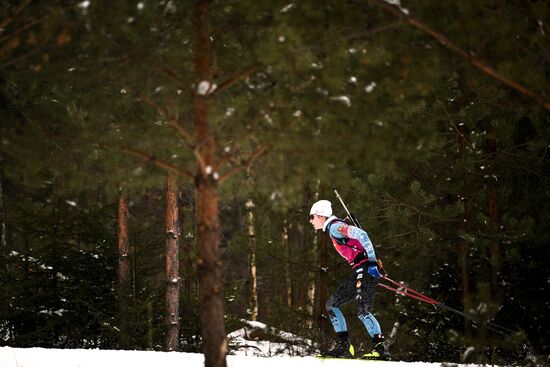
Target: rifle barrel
350	216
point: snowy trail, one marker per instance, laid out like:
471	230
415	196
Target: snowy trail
40	357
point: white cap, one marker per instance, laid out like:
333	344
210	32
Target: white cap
322	207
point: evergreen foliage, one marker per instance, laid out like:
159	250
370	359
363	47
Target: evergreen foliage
344	94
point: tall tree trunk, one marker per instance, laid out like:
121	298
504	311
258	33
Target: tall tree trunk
288	278
208	227
3	239
463	249
300	293
189	261
171	342
209	268
252	261
494	217
496	248
150	325
463	260
124	279
310	302
312	256
186	274
311	275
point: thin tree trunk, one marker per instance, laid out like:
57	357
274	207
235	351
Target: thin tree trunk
463	249
189	261
496	248
311	274
252	261
3	240
208	227
300	293
310	298
463	260
171	342
288	279
150	325
494	216
187	272
124	279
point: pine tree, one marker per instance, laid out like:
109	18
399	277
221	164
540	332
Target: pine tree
172	267
3	241
124	274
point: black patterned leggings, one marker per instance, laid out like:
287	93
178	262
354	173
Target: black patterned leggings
360	287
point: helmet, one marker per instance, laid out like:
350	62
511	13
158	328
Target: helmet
322	207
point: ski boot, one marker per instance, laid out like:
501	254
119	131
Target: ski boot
380	351
343	348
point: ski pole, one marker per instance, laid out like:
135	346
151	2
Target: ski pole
404	290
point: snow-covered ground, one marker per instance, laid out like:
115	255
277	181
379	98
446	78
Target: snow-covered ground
259	340
39	357
253	345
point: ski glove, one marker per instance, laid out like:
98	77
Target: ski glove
373	272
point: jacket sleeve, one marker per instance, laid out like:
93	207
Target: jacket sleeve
363	237
338	230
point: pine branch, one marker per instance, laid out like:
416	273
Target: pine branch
172	121
227	158
160	110
245	164
28	25
235	79
374	31
152	159
485	68
17	11
172	74
181	131
23	28
417	210
20	58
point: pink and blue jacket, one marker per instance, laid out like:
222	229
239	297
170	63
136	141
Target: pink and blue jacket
352	243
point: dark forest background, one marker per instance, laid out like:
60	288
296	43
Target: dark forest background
120	120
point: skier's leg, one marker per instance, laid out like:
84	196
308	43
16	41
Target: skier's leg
371	324
365	290
343	294
365	302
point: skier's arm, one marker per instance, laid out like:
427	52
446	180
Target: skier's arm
363	237
343	230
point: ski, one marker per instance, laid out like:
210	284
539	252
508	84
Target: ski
320	356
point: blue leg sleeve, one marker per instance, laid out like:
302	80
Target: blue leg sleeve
372	325
338	320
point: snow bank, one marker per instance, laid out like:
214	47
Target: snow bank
39	357
259	340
